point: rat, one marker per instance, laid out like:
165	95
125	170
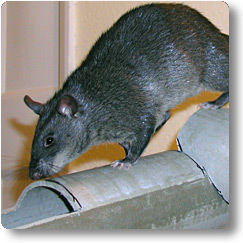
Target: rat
152	59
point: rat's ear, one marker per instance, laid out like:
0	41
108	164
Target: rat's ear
68	106
33	105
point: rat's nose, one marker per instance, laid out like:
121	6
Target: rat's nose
35	175
36	169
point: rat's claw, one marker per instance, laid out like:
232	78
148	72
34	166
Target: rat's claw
115	164
126	166
121	165
208	106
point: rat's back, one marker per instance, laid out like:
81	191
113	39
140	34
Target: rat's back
164	52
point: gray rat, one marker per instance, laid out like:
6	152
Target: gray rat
153	58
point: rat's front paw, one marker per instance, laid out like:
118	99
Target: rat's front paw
210	105
121	165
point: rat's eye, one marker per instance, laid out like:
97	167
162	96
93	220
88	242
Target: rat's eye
49	140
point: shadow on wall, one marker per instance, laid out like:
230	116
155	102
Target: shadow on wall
101	155
106	153
181	113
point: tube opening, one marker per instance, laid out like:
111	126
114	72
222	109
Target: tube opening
38	203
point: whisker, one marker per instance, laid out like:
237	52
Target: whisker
14	158
57	170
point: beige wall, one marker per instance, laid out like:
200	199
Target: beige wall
92	18
29	66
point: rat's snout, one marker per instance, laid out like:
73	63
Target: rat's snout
36	170
36	174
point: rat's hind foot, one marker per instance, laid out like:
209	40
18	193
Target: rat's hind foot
121	165
216	104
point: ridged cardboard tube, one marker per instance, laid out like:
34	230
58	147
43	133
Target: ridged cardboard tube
165	190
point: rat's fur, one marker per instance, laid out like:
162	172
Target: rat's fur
153	58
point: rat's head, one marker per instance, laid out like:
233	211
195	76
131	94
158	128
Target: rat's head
60	135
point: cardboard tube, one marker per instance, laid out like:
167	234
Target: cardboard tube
165	190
